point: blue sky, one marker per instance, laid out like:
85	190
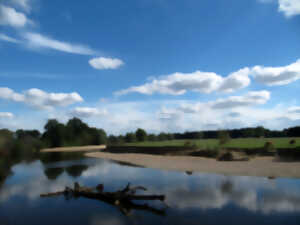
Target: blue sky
157	64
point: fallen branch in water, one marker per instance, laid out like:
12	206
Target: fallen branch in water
121	199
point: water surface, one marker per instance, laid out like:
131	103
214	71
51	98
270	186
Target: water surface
196	198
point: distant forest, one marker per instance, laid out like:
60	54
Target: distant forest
77	133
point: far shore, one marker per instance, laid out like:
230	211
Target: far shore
258	166
75	149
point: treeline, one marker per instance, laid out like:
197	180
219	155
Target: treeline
251	132
24	144
77	133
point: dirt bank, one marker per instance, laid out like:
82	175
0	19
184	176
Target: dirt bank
259	166
75	149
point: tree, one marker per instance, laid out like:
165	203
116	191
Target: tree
141	135
224	137
259	131
130	137
75	127
152	137
162	136
54	133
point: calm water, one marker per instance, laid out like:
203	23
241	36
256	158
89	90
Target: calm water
192	199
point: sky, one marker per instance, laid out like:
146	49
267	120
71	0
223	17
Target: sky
160	65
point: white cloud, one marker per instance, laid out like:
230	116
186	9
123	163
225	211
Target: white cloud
23	4
236	80
36	40
203	82
277	75
9	94
10	17
208	82
88	112
289	7
294	109
102	63
4	37
252	98
6	115
40	99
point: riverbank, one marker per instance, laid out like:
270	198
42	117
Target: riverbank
75	149
258	166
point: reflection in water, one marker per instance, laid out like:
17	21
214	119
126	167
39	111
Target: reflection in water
5	171
195	198
53	173
76	170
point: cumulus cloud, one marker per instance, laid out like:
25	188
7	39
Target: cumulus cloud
6	115
252	98
23	4
10	17
4	37
276	75
236	81
289	7
88	112
208	82
203	82
294	109
9	94
36	40
102	63
40	99
232	102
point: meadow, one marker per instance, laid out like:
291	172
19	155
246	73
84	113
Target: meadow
238	143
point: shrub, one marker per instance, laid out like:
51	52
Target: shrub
292	142
187	144
269	146
190	144
228	156
224	137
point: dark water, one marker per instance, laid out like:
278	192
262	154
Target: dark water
192	199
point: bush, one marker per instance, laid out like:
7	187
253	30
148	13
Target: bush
228	156
292	142
210	153
187	144
190	144
224	137
269	147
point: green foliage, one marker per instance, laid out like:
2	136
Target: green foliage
152	137
227	156
224	137
130	137
74	133
6	141
115	140
162	136
141	135
269	147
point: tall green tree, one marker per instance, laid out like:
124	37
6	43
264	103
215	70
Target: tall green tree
54	133
141	135
130	137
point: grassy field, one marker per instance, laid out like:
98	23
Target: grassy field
233	143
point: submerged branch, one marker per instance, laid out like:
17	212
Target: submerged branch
122	199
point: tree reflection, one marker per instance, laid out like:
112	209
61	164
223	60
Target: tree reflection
53	173
76	170
5	171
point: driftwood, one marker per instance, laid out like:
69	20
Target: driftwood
122	199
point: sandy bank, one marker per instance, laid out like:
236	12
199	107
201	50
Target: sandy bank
75	149
260	166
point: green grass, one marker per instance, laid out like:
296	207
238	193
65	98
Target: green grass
233	143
